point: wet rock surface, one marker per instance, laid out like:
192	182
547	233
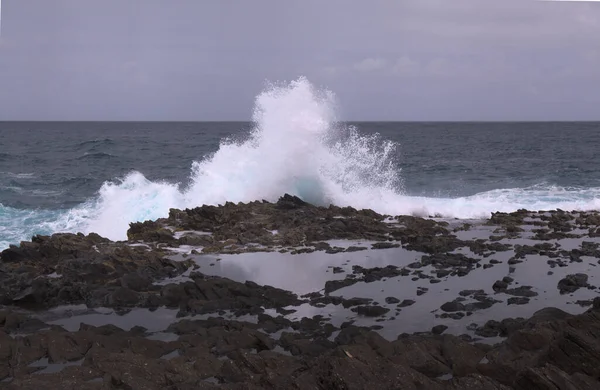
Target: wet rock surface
572	283
240	334
237	354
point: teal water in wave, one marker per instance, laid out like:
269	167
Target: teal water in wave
102	176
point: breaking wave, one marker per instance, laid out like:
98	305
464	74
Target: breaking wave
297	146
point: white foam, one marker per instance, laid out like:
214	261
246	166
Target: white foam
19	175
297	147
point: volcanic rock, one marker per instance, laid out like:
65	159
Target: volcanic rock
572	283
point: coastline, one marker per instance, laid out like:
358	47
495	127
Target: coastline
289	295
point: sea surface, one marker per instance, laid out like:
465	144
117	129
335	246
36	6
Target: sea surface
100	176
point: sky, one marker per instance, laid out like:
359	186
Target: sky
385	60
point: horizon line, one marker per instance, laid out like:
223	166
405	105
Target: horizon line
351	121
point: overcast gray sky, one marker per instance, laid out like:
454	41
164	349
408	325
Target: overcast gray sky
385	60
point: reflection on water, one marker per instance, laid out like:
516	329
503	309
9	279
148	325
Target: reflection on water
300	273
154	321
308	272
51	368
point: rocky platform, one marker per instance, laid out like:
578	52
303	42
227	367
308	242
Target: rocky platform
287	295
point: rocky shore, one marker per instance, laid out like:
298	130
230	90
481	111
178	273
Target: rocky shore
287	295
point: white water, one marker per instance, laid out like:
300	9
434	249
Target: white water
296	148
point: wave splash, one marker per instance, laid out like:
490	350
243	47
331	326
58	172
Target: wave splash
296	147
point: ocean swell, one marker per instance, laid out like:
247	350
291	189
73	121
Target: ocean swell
298	147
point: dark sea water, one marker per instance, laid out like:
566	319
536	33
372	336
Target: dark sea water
100	176
62	164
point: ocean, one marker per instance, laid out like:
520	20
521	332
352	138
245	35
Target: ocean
100	176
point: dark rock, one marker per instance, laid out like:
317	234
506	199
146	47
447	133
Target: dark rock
333	285
355	302
466	293
136	282
406	302
522	291
454	316
449	260
500	286
356	248
377	273
290	202
438	329
551	350
90	269
572	283
123	297
517	301
513	261
549	314
370	311
384	245
208	294
503	328
149	231
453	306
482	302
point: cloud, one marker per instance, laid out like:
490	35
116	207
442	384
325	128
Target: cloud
330	70
405	66
370	64
426	59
